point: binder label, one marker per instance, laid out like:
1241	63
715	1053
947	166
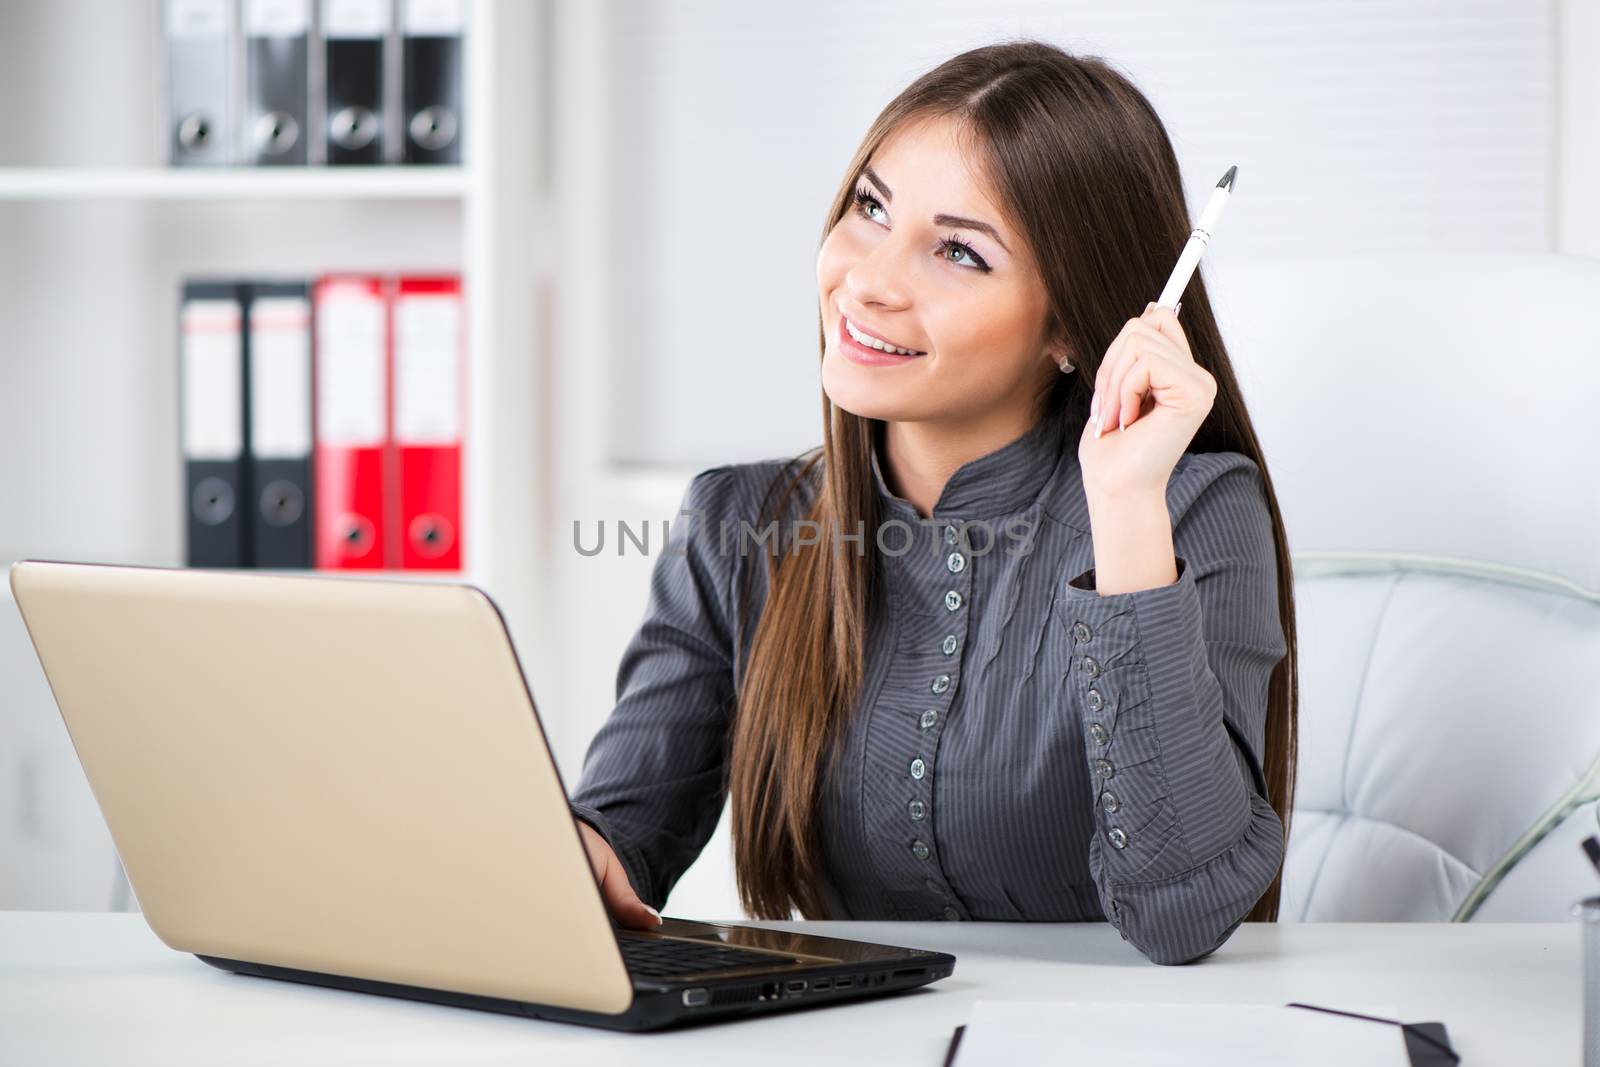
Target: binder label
213	417
354	19
276	18
189	20
427	389
280	377
432	18
350	370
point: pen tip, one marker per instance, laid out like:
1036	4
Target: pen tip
1227	179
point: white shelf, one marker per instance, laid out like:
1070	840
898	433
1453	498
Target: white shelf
232	183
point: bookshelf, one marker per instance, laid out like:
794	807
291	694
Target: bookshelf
96	234
102	217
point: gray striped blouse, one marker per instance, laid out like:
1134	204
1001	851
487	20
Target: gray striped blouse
1024	748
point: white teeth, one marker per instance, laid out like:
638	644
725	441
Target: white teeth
873	342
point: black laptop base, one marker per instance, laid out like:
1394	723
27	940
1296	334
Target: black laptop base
655	1007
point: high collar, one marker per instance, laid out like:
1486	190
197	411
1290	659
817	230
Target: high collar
1001	482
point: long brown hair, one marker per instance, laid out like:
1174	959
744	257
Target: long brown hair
1085	171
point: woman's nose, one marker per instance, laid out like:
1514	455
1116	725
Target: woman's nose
881	276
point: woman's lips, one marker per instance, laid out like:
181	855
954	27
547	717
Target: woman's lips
872	357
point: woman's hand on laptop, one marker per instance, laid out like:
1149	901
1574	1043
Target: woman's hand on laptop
621	901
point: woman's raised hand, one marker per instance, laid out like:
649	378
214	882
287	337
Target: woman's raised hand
1150	398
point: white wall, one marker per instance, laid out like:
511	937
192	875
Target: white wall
1577	104
1355	126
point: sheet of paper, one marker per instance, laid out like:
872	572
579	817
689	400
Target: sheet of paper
1005	1033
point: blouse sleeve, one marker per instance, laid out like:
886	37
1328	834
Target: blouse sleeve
652	781
1171	686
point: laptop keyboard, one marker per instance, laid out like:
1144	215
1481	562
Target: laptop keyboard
667	958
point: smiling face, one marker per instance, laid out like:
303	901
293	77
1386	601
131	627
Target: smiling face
924	261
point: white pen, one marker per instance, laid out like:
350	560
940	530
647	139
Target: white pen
1196	245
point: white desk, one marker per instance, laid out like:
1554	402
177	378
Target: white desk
86	988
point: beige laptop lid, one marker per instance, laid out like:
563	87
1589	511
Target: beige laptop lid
333	774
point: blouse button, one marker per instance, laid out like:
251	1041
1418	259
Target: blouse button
1096	701
956	562
1081	632
1098	732
949	646
952	600
1090	667
950	535
1109	801
1102	767
929	717
919	850
917	810
941	683
1118	838
918	768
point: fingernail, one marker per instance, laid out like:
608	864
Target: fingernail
1094	406
654	912
1177	308
1098	428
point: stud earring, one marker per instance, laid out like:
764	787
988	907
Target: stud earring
1066	366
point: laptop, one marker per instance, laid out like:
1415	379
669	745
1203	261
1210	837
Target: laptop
344	781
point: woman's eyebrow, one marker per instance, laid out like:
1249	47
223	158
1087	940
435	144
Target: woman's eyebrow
940	219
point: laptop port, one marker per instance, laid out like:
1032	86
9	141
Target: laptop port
822	985
696	998
769	990
795	985
843	983
910	972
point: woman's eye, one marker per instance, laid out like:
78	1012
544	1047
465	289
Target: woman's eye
864	198
865	202
965	250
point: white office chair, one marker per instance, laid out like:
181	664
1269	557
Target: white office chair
1429	424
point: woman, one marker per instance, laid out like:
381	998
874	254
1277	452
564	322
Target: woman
1069	694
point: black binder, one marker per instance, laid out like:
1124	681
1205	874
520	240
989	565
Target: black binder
274	129
354	33
431	80
214	414
278	344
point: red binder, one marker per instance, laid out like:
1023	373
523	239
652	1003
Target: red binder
353	468
428	373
